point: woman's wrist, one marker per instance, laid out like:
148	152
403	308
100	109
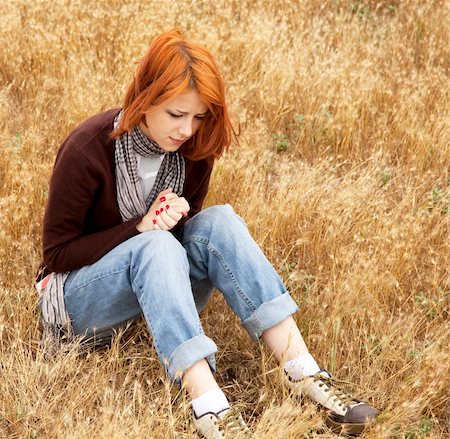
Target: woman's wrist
145	225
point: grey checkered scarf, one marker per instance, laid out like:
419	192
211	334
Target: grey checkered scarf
129	192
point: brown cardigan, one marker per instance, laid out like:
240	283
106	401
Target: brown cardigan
82	221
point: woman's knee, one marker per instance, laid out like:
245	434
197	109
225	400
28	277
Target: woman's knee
219	212
220	217
159	247
155	239
160	267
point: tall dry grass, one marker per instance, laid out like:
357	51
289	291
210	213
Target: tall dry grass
342	175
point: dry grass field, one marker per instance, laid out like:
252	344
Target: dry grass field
342	174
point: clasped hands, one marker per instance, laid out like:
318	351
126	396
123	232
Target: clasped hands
165	212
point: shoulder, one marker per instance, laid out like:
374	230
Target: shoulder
96	129
90	141
89	146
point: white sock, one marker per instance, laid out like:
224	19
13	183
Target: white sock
212	401
301	367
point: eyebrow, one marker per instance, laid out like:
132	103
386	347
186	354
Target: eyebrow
186	112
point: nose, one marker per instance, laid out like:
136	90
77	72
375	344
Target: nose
186	128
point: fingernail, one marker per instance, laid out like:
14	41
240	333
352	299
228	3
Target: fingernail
162	208
167	206
162	199
157	212
154	221
185	214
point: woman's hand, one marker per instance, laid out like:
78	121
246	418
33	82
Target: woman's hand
165	212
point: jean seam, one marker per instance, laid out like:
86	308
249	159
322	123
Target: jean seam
143	305
193	238
218	255
102	276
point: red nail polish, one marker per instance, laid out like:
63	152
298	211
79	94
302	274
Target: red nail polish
167	206
162	208
154	221
157	212
162	199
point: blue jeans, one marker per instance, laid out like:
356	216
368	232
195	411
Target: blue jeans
170	282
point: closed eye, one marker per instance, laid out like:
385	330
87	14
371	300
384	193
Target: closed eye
198	117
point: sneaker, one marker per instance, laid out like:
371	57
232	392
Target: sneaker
227	423
347	414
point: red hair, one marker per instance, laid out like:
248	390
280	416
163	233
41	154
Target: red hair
170	66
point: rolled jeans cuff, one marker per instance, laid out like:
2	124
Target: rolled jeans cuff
270	314
190	352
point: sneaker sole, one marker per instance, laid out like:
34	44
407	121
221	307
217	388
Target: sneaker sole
353	429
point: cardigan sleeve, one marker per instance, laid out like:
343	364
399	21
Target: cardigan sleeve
67	245
197	198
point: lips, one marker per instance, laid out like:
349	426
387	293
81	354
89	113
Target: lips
178	140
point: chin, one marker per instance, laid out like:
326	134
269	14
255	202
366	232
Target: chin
170	148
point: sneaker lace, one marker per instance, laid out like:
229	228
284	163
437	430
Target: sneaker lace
233	423
335	387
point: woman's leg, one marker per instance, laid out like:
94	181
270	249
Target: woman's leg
220	248
147	274
285	341
198	379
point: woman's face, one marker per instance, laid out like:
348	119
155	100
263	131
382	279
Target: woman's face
175	121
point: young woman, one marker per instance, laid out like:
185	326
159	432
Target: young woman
124	235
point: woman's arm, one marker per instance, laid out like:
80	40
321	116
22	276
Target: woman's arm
77	191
